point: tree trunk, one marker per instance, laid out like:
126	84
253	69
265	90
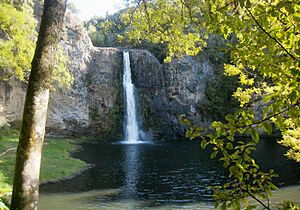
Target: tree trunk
28	159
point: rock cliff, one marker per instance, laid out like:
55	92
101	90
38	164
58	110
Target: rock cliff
90	106
12	96
104	93
168	90
69	108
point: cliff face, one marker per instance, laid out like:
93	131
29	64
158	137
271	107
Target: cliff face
90	106
12	96
168	90
69	108
104	97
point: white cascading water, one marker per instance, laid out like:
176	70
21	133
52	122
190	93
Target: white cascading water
131	126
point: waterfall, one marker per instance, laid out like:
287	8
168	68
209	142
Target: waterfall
131	124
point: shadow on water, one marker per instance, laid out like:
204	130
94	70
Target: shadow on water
270	155
168	174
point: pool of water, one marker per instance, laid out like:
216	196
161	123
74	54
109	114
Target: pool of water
164	175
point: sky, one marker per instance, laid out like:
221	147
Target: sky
91	8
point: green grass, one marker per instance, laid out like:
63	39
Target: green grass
8	139
56	160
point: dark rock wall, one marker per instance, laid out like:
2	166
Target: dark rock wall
93	105
104	92
168	90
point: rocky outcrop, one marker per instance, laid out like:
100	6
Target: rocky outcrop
69	108
12	97
168	90
104	97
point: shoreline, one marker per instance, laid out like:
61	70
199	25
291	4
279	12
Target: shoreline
75	174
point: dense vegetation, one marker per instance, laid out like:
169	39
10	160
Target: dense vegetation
110	31
18	36
17	39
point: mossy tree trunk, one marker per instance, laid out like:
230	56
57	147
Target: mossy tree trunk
28	159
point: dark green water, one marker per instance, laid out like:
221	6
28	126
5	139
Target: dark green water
167	174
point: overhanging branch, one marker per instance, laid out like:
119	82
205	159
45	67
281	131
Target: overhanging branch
264	30
271	116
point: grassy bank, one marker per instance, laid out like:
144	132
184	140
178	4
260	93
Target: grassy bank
56	160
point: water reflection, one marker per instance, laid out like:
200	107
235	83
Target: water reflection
131	165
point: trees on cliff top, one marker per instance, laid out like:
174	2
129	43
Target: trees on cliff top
264	48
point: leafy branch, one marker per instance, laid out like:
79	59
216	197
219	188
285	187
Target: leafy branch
271	116
272	37
259	201
147	14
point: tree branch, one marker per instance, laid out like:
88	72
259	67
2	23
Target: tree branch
134	10
260	26
147	14
269	117
259	201
137	5
253	196
6	151
185	4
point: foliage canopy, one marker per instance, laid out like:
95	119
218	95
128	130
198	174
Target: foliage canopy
17	40
18	37
110	31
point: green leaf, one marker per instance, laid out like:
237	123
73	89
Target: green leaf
226	164
188	133
229	118
293	96
254	135
248	3
267	127
233	170
183	120
203	144
229	146
214	154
